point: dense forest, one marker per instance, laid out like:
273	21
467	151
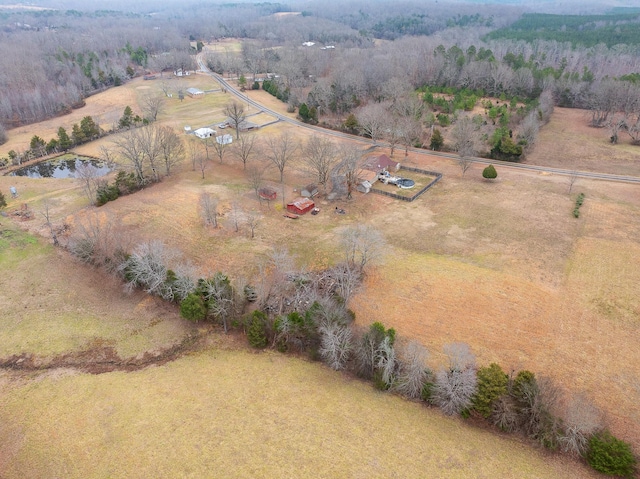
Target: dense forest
53	59
586	30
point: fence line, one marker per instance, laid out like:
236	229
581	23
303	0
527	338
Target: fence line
438	177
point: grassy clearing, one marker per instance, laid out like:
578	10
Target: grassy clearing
569	142
52	305
244	415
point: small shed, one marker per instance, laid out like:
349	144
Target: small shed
224	139
309	191
195	92
204	132
267	193
300	206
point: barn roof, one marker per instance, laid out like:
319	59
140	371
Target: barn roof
302	203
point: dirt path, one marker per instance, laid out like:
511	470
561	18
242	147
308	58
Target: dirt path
100	359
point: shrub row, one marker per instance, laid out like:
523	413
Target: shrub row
325	331
579	201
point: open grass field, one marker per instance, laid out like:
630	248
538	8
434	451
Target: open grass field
500	265
226	413
52	304
569	142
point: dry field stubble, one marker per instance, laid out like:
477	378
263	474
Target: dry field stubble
237	414
569	142
507	269
105	108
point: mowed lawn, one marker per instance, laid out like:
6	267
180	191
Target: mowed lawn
238	414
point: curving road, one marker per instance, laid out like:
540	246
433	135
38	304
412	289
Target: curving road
338	134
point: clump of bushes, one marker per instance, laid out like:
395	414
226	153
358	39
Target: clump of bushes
490	173
124	184
610	455
579	201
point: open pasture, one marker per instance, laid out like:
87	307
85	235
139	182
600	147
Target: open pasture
226	413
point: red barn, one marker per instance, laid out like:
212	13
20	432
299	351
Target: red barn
300	206
267	193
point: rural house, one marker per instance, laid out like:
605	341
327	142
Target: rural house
381	163
204	132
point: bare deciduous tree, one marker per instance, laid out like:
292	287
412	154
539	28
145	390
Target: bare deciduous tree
529	128
281	150
455	386
220	147
209	209
152	106
410	132
220	296
147	267
244	149
236	216
129	149
350	167
539	401
386	362
372	120
412	372
46	212
193	152
256	178
346	280
185	280
320	158
465	140
362	245
87	174
252	219
581	420
335	344
236	114
99	241
164	86
171	148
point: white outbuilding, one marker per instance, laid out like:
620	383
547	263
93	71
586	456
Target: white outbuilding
204	132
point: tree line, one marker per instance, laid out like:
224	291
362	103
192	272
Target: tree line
300	311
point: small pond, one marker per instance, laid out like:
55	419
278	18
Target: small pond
65	166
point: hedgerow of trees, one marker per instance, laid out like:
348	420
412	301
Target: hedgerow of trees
294	310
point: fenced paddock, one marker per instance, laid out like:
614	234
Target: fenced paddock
424	179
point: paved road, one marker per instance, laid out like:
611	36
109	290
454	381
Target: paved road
338	134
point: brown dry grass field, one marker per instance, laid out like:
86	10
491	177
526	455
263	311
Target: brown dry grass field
500	265
569	142
226	413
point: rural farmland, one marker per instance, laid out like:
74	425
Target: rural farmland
221	364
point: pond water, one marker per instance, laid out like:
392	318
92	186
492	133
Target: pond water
63	167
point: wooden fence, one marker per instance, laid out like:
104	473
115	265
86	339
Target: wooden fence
438	177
